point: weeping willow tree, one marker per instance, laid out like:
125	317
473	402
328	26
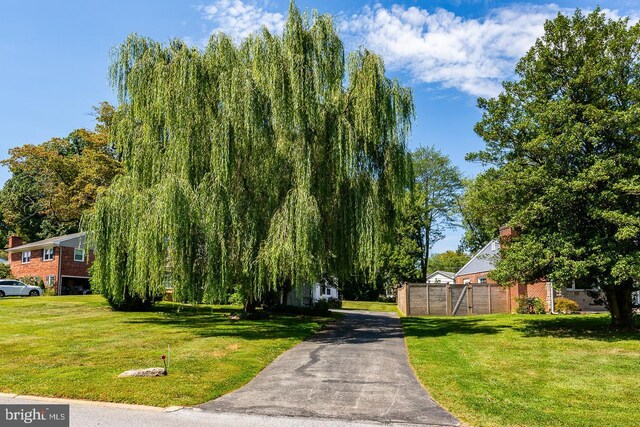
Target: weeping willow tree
253	165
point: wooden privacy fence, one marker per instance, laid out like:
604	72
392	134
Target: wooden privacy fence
441	299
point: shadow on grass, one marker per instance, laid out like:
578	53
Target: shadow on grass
424	327
208	321
360	328
578	326
588	327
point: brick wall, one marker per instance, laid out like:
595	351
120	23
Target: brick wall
474	278
36	267
70	267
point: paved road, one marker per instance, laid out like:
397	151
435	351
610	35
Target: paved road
357	370
99	414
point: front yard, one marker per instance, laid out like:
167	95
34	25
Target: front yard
75	347
515	370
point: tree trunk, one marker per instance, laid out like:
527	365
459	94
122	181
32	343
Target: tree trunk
425	264
286	287
619	299
250	305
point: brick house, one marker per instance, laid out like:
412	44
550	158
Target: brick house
481	264
61	262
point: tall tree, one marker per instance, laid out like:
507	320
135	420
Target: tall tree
53	183
249	164
437	187
484	206
565	147
400	258
451	261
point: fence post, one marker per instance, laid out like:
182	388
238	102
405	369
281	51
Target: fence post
489	290
448	299
470	299
408	299
428	305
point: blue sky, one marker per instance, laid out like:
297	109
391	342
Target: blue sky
54	58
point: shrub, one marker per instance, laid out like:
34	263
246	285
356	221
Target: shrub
387	298
236	298
5	271
50	292
334	303
529	305
320	307
33	281
566	306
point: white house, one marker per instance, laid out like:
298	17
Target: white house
310	294
441	277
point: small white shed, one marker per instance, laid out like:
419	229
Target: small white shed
441	277
310	294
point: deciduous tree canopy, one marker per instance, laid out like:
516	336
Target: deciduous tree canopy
564	142
451	261
249	164
54	183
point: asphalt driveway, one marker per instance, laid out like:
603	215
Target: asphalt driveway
356	370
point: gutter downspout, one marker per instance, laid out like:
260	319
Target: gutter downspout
59	268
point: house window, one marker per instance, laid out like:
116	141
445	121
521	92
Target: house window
482	280
47	254
78	254
26	257
327	290
50	281
466	281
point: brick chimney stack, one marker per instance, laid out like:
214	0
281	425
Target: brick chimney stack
15	241
506	232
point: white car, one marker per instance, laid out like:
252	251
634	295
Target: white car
10	287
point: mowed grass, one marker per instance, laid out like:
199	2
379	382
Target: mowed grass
518	370
75	347
370	306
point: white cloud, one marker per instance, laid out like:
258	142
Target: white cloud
239	19
471	55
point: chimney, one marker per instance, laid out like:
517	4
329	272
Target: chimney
15	241
506	233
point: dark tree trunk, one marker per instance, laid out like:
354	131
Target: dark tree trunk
619	300
286	287
250	306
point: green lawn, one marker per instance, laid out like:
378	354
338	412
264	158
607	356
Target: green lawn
370	306
75	347
519	370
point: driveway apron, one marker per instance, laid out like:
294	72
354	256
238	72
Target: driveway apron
357	369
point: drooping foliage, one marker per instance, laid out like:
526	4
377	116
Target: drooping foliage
249	165
564	144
